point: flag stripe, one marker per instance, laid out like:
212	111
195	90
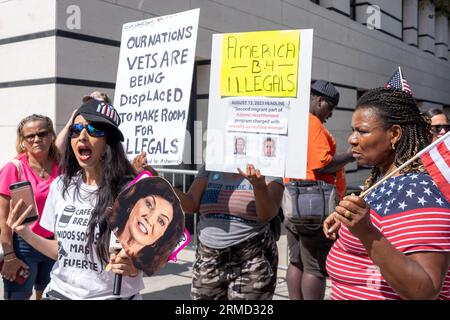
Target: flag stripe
435	172
441	164
437	162
444	150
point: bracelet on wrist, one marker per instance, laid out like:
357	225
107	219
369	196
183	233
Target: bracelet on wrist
8	253
12	259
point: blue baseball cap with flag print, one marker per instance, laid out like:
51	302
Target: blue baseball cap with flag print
97	111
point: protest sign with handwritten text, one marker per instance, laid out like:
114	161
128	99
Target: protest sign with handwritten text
154	83
263	64
259	102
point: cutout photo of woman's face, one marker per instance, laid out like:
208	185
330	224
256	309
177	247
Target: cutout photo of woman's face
149	219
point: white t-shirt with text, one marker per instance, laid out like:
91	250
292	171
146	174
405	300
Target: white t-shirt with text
74	274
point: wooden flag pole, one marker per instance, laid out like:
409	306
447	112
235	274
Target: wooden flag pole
390	174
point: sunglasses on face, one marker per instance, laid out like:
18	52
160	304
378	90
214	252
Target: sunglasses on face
438	128
41	135
75	130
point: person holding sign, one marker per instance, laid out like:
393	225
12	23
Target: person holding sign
94	170
148	221
36	162
307	202
395	243
237	255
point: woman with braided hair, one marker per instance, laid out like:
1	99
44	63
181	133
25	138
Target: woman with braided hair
395	243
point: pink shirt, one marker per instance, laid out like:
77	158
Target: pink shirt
41	187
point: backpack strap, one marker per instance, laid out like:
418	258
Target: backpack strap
18	167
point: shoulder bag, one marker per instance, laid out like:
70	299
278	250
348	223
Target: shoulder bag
308	203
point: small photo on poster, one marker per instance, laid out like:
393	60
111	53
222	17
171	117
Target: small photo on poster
269	147
240	146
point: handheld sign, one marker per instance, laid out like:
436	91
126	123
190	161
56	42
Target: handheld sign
148	221
153	85
259	102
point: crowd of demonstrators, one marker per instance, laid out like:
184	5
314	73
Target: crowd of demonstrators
36	161
93	170
395	243
307	245
439	122
237	256
386	246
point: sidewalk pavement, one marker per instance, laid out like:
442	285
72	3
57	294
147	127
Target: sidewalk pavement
174	281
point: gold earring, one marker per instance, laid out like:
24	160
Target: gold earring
393	146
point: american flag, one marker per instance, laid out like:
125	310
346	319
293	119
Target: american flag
412	191
436	158
240	203
398	82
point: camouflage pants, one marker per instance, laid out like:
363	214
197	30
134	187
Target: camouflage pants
246	271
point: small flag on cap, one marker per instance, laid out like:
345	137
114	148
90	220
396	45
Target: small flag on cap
398	82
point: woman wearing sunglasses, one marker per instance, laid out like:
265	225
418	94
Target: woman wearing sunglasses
439	122
62	135
36	162
94	170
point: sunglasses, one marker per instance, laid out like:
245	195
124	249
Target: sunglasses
75	130
40	135
438	128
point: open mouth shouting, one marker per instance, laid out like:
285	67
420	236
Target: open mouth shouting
84	153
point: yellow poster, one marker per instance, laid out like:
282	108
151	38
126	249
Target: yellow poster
260	64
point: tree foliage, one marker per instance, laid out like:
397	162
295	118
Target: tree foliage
442	6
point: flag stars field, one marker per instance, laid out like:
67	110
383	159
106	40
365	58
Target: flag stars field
422	201
409	193
402	205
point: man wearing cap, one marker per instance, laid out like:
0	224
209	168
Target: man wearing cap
308	247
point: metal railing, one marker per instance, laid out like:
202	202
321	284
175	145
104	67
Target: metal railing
178	177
